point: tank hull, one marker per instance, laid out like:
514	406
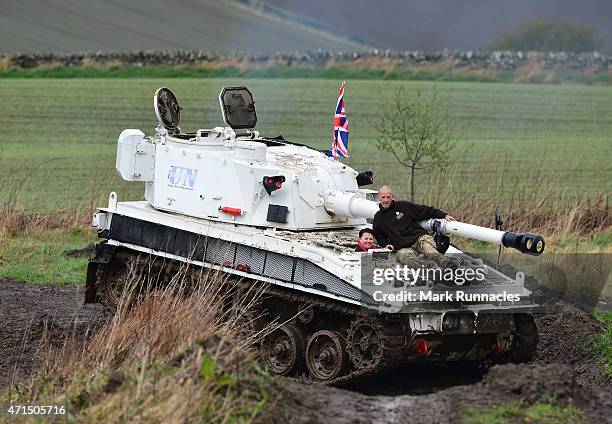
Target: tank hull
302	275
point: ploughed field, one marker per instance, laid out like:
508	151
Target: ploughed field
215	25
523	143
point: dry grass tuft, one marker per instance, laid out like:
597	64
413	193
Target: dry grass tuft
472	194
6	63
89	63
173	355
19	221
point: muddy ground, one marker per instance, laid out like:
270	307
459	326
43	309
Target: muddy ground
565	367
33	316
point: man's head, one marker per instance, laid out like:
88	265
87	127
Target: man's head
385	196
366	238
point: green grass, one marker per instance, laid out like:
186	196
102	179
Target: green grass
603	342
510	413
59	135
283	71
583	244
41	257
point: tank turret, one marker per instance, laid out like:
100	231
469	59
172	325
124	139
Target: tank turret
230	174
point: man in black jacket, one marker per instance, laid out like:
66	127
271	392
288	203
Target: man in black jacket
396	227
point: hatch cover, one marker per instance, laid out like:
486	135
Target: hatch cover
167	109
238	107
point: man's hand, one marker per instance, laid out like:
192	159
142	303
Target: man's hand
450	218
389	246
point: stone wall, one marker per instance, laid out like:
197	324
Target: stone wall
496	60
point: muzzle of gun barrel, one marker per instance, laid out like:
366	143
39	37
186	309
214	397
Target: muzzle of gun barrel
529	243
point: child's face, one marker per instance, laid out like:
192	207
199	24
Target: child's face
367	240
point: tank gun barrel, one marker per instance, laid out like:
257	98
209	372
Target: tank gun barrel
350	204
529	243
355	205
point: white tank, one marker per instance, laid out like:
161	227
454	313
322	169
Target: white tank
267	210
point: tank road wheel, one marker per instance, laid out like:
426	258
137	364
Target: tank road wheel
371	343
364	344
525	340
282	350
326	356
305	313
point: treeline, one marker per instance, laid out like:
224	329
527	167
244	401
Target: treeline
551	35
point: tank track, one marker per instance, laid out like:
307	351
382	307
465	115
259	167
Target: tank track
525	340
391	332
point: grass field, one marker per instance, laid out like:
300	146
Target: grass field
545	146
275	71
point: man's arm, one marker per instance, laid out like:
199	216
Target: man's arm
379	235
422	212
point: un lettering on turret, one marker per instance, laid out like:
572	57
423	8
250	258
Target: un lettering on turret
182	177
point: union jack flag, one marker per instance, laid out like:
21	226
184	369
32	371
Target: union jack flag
341	129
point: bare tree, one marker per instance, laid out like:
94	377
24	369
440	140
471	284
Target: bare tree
417	131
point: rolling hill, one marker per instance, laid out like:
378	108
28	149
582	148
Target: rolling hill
269	26
439	24
28	26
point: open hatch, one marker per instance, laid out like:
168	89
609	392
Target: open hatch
167	110
238	107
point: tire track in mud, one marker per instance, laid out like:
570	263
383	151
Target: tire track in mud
502	384
565	367
36	316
